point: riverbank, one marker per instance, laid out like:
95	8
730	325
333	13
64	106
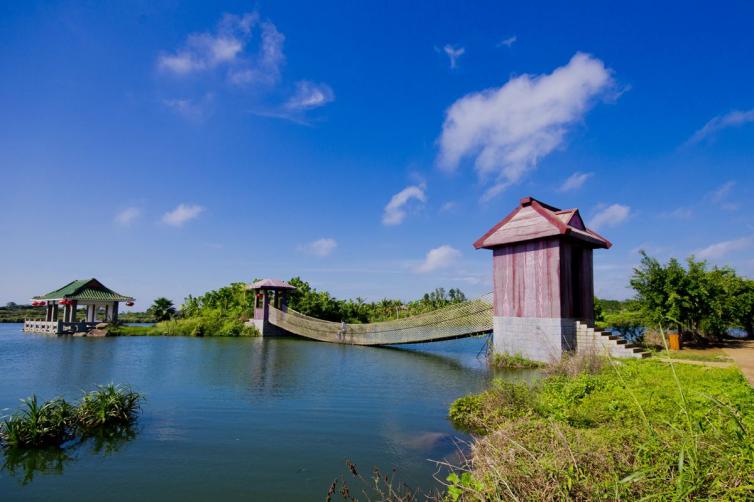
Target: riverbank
625	430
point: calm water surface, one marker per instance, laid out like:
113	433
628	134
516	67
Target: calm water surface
262	419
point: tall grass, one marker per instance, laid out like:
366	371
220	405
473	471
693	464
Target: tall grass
55	422
628	430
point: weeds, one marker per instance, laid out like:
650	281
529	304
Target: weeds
631	430
56	422
512	361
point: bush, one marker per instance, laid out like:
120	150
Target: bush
36	425
108	406
637	429
55	422
512	361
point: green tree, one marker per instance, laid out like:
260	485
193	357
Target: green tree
162	309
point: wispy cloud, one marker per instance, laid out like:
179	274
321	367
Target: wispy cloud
508	42
320	247
720	249
182	214
679	213
438	258
309	95
395	210
733	119
128	215
575	181
509	129
453	53
190	109
610	216
203	51
449	207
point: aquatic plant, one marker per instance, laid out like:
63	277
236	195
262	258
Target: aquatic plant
38	425
108	406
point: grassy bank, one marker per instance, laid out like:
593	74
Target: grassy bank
610	431
195	326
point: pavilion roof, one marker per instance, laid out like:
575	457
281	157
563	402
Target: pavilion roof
85	289
270	284
533	219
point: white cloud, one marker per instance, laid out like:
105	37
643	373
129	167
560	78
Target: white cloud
453	54
310	95
610	216
226	47
575	181
733	119
449	207
321	247
128	215
440	257
509	129
395	211
508	42
720	196
181	214
190	109
679	213
720	249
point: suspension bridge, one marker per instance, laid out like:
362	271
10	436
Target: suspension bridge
542	305
469	318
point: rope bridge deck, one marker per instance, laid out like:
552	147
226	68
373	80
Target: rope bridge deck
470	318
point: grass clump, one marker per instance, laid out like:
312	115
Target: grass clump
108	406
56	422
503	361
38	425
629	430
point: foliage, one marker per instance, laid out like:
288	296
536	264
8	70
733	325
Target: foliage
162	309
323	305
631	430
108	406
53	423
700	302
512	361
38	425
629	322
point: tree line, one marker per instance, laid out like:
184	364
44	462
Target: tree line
702	302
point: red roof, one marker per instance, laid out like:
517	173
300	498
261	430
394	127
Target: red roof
533	219
271	284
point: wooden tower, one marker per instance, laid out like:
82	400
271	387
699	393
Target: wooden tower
543	279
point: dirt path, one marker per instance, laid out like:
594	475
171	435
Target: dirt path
711	364
742	354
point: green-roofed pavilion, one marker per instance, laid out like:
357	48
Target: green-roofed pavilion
89	293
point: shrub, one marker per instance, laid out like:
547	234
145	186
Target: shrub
108	406
512	361
36	425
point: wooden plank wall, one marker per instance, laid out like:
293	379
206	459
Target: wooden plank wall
526	279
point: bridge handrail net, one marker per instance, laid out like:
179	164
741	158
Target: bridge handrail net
461	319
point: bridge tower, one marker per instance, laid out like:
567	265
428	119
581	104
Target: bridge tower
543	279
269	292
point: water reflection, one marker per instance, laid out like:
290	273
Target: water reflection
24	464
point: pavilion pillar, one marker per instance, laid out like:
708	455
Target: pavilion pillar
55	312
90	310
114	312
48	313
73	307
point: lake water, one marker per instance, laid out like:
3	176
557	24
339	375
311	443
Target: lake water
224	418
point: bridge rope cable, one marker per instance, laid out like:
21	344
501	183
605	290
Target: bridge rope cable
446	322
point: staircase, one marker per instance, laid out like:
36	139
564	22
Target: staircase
602	342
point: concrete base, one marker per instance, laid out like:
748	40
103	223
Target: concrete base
546	340
266	328
534	338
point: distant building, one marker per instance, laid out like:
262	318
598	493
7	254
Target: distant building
100	305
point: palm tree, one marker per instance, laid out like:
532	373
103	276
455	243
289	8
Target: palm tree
162	309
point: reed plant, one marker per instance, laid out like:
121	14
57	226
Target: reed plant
108	406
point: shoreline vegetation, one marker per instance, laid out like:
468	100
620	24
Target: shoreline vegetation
595	428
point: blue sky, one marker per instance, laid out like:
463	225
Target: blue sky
169	148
